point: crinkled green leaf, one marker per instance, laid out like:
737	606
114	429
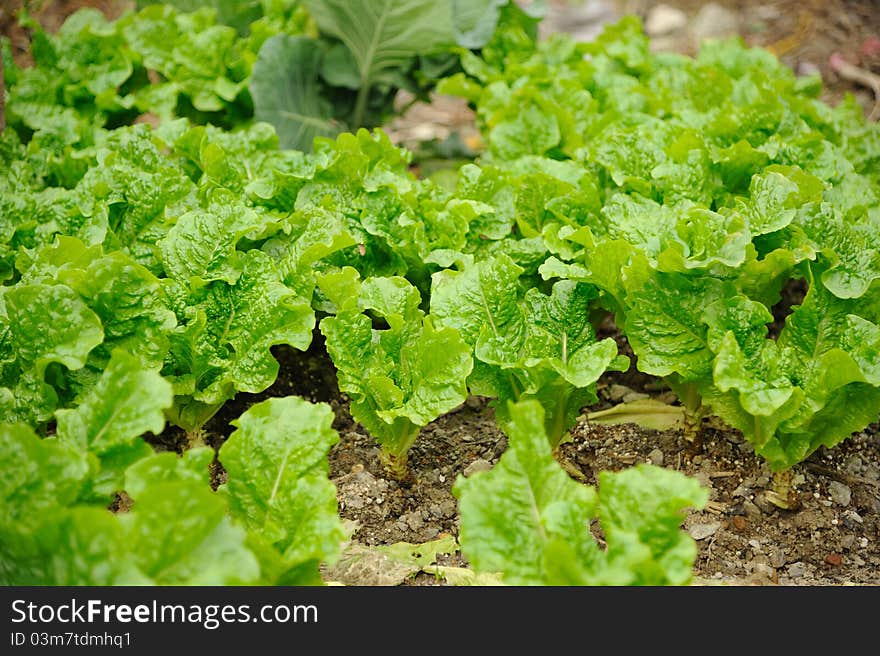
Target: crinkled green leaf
664	324
529	521
278	483
195	56
126	402
561	334
542	347
201	246
815	385
179	534
513	513
775	195
169	467
37	474
319	233
136	192
704	238
50	323
401	378
130	302
533	132
25	397
479	301
69	546
641	510
225	344
614	266
852	248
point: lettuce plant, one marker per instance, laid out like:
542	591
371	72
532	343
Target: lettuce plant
400	377
718	179
273	522
146	274
527	520
540	346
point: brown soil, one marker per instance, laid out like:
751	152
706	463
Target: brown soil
802	33
833	538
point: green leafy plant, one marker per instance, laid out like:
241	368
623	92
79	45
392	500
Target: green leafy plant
714	182
273	522
539	347
527	520
401	377
148	271
349	77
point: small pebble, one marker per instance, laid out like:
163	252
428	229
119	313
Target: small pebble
839	493
764	504
777	558
617	392
764	570
703	531
852	519
413	520
807	68
740	523
664	19
797	570
477	465
853	465
656	457
741	491
473	402
834	559
752	511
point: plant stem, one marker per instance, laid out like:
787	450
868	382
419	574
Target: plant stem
360	105
557	430
693	416
782	493
395	463
196	437
395	447
515	387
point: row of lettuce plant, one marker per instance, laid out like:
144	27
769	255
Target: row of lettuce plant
691	192
147	272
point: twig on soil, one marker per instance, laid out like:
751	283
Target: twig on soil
715	507
793	41
841	477
858	75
